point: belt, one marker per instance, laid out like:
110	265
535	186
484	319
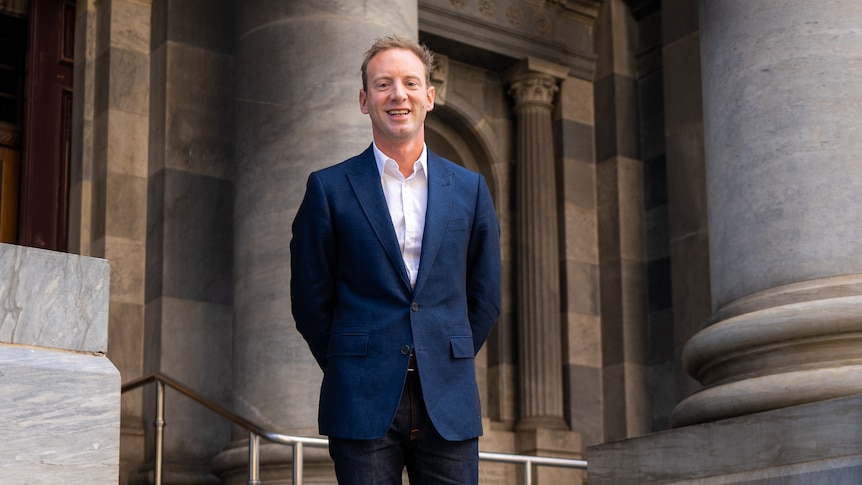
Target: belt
411	367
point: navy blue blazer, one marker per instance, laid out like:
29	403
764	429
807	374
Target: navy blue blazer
353	304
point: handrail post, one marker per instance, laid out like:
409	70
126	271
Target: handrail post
253	458
160	431
528	472
297	463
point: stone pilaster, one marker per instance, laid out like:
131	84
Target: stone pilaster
112	205
781	107
533	87
189	229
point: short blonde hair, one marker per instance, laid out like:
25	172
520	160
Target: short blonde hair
394	42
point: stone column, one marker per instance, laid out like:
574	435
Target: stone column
782	105
298	83
533	86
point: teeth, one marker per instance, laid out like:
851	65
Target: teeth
398	112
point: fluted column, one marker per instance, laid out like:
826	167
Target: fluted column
533	87
782	100
298	84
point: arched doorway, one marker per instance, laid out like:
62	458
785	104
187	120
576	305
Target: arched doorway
454	130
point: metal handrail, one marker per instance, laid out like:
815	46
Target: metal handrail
297	442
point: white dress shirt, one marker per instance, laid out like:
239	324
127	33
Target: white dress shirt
407	199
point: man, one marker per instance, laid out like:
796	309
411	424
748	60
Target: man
395	264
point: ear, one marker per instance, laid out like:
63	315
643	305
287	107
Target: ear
363	101
432	93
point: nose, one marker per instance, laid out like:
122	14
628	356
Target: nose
398	91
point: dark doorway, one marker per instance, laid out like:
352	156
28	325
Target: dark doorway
47	125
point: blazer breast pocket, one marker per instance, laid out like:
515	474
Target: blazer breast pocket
348	343
462	347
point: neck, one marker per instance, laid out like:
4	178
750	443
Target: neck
405	154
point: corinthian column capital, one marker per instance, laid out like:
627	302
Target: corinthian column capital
534	88
535	82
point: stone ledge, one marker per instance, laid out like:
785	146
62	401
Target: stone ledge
54	300
811	443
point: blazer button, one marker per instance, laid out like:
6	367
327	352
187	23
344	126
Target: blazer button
414	307
405	349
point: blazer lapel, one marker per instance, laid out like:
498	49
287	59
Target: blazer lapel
440	190
365	180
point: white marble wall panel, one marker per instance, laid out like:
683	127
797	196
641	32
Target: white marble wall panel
52	299
59	417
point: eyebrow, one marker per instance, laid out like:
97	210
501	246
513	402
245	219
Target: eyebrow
386	78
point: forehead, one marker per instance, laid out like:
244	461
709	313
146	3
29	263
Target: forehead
395	61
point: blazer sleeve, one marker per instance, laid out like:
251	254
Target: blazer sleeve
483	268
312	269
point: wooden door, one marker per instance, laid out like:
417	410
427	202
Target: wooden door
47	125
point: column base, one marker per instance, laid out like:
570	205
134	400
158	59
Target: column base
784	347
552	442
176	474
541	422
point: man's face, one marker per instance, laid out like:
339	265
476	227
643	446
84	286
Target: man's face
397	98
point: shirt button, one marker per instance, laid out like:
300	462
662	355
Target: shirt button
405	349
414	307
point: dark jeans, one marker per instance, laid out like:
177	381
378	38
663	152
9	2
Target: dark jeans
411	442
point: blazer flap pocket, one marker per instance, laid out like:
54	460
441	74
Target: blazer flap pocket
462	347
348	344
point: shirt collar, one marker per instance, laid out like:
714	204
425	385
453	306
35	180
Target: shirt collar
381	159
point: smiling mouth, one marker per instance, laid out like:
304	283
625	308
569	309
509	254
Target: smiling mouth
396	112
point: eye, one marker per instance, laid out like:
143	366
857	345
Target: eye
412	84
382	85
